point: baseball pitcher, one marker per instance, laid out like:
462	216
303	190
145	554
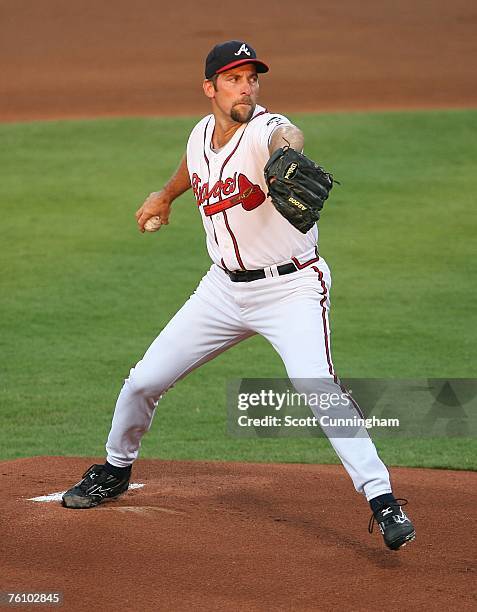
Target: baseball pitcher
259	198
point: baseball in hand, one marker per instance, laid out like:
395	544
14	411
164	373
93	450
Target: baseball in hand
153	224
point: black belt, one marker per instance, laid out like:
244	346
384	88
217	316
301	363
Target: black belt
245	276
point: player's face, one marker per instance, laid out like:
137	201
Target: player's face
237	92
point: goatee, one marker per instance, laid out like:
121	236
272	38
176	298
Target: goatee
242	115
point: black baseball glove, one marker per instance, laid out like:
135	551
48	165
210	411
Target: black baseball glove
297	186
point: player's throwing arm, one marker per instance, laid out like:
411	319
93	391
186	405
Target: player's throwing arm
155	211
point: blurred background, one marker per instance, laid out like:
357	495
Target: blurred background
88	58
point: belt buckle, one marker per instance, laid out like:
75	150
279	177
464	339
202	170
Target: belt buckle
271	271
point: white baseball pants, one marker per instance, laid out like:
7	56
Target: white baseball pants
290	311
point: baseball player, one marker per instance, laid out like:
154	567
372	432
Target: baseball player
266	277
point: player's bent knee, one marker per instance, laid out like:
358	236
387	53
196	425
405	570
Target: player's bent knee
146	384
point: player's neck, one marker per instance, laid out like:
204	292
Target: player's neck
224	131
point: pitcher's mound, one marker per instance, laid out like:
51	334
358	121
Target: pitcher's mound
235	536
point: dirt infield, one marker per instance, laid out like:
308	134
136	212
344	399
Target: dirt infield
86	59
231	536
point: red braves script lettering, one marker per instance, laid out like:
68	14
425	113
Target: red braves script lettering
247	194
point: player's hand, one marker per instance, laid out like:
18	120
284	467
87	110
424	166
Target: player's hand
156	204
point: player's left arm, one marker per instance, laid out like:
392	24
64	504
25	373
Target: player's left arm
286	135
297	186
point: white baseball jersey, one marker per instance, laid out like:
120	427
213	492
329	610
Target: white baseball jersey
244	230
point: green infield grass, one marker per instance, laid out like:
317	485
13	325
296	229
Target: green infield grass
83	293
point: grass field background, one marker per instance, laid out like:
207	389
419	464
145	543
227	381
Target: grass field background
83	293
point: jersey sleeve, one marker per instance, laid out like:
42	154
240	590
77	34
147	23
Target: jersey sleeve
266	125
195	143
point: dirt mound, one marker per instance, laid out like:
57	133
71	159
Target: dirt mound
235	536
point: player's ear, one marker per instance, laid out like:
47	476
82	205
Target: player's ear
208	88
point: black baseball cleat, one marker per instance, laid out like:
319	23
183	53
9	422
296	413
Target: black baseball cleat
96	487
395	526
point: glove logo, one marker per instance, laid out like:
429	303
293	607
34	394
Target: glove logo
243	49
291	170
296	203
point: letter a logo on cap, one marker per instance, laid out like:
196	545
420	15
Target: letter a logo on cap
243	49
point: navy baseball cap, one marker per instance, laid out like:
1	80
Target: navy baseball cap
231	54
